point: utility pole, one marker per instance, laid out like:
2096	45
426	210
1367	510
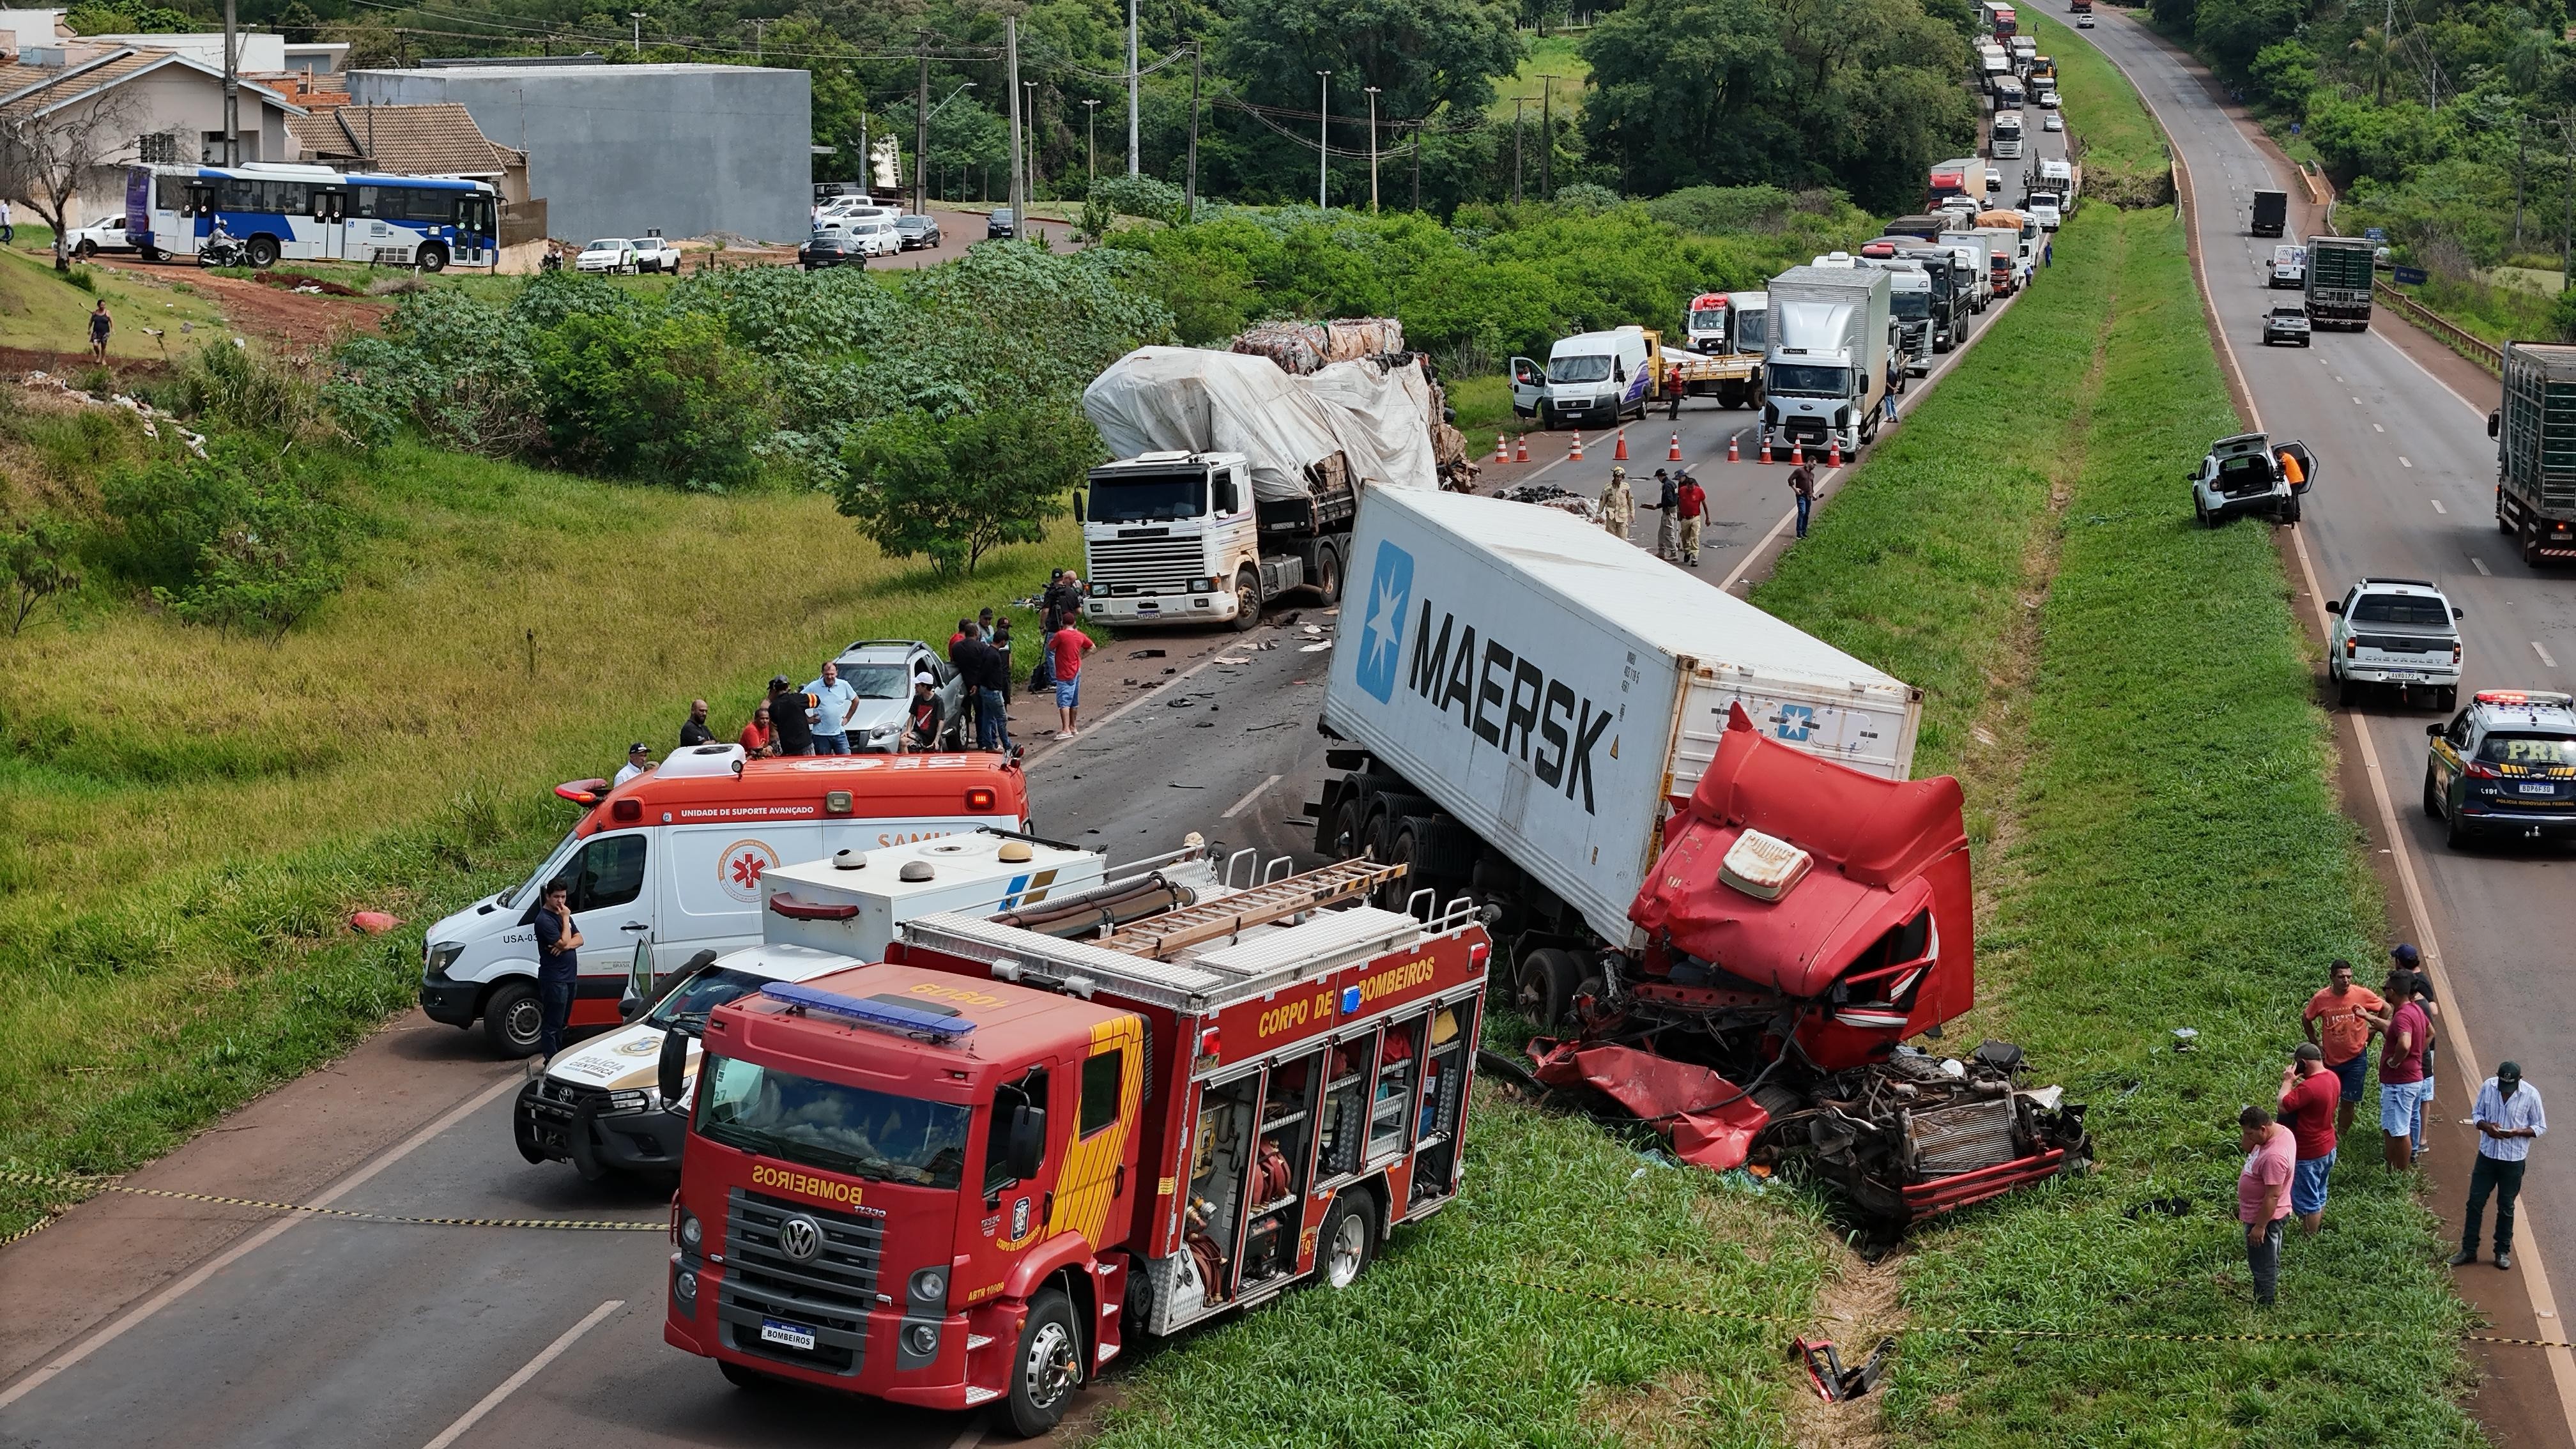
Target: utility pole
232	90
1135	165
1372	95
1032	114
1517	103
1324	141
1546	137
921	128
2517	176
1190	197
638	17
1011	59
759	34
1091	136
1417	162
867	163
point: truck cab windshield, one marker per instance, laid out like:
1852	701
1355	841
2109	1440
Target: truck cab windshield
1805	379
827	1125
1149	500
1912	306
1578	369
1709	319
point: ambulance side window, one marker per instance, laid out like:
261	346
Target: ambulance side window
609	873
1028	1091
1100	1078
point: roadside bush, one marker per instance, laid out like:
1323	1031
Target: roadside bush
1585	197
227	384
956	488
664	399
1145	196
220	544
36	564
448	363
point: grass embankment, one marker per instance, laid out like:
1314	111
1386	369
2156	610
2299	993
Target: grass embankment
2492	314
42	310
1920	566
187	820
1525	94
2108	129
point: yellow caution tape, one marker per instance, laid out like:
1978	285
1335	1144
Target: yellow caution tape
102	1184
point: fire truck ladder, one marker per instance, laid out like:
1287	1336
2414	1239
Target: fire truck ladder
1160	937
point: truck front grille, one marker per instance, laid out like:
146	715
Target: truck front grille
829	1296
1146	565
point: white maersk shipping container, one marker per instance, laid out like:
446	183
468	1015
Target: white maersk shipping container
1554	689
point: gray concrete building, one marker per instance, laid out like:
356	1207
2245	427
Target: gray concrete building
619	150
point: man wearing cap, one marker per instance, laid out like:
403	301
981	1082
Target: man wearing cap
638	760
791	726
2507	1117
1618	505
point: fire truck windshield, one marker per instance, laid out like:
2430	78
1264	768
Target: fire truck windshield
830	1126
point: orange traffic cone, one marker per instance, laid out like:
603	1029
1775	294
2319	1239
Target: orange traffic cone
1834	455
1675	455
1766	450
1797	455
1523	449
1502	451
1620	453
1577	455
1731	455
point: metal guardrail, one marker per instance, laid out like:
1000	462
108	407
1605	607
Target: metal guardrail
2475	348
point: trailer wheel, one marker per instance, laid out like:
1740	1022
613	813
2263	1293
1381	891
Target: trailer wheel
1337	835
1047	1367
1547	983
1328	574
1247	600
1404	848
1349	1240
514	1021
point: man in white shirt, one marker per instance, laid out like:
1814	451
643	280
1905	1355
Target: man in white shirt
638	760
834	702
2507	1117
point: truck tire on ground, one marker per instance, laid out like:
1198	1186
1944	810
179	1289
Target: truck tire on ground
1349	1241
2531	544
1338	834
513	1019
1047	1367
1404	843
2446	698
1546	984
1328	574
1247	600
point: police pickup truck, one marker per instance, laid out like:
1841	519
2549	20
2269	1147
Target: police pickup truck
2506	765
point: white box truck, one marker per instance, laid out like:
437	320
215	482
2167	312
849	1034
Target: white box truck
1975	248
1528	697
1828	364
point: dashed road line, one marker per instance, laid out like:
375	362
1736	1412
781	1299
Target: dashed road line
2481	566
2437	506
1255	793
2405	461
2543	653
527	1371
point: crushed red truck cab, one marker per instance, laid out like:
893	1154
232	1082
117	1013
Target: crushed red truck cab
965	1176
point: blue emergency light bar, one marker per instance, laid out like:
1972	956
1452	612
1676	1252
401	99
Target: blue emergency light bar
885	1015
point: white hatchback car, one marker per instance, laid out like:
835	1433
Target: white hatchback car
107	234
875	237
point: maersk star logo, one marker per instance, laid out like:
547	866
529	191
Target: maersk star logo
1382	629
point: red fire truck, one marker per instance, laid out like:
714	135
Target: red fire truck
964	1176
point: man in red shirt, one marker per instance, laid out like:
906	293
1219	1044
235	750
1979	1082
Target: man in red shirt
2401	1070
1065	649
2340	1020
2263	1195
2308	1093
1692	501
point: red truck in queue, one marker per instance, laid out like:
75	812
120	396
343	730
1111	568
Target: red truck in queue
969	1175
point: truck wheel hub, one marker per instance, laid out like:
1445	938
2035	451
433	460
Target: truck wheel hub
1050	1364
1350	1240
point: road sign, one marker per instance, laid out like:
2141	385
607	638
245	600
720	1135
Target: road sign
2375	233
2410	276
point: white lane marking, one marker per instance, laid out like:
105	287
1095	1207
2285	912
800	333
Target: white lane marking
2338	377
253	1243
2403	459
1239	806
527	1371
2356	402
2376	428
2543	653
2481	566
2437	505
972	1436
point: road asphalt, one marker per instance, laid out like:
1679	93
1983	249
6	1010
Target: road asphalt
2406	487
172	1323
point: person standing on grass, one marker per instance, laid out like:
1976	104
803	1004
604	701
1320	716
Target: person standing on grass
100	324
2508	1119
1065	649
2401	1070
1618	506
1802	491
694	731
2340	1020
759	738
2263	1195
1691	501
835	700
558	965
8	228
791	715
2308	1093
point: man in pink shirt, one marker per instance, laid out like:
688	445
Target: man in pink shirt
2263	1195
2402	1083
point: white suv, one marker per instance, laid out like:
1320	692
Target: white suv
2395	631
2242	475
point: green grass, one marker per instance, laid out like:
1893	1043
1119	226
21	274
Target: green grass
2491	313
42	312
2177	859
1560	56
1483	404
2116	142
179	854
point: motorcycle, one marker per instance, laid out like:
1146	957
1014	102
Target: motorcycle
224	251
550	262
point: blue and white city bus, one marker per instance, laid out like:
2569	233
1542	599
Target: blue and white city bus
313	213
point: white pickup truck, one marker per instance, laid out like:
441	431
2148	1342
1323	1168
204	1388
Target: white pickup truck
654	254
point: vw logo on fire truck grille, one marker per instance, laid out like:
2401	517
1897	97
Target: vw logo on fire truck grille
800	1238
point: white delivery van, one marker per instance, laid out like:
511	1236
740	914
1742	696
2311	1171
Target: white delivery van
677	855
597	1108
1593	380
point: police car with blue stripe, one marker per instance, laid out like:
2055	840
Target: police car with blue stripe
2505	766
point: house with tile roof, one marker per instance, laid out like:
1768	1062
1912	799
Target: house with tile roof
435	139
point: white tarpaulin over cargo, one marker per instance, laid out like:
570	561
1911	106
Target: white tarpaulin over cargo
1186	399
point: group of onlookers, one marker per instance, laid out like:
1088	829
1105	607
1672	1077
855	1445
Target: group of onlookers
2290	1149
